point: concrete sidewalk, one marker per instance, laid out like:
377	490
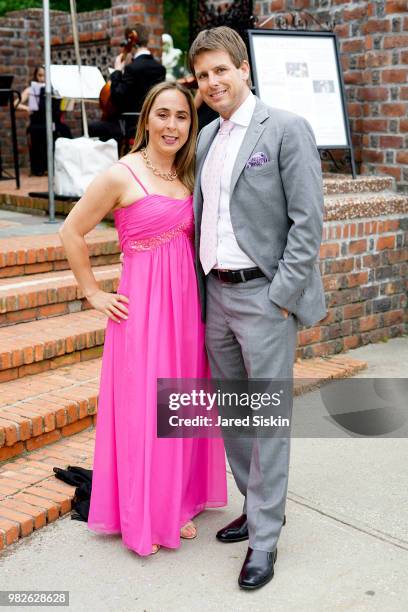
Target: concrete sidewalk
345	545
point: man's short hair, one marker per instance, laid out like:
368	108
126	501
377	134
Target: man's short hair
143	34
219	39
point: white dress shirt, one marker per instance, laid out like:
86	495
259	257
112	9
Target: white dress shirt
229	255
141	52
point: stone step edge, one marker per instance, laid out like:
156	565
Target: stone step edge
37	206
35	300
39	498
38	355
22	432
25	250
361	184
342	208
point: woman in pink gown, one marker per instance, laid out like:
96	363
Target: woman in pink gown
144	487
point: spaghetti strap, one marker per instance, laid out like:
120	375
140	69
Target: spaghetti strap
134	176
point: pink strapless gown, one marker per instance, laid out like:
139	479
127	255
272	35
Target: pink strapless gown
144	487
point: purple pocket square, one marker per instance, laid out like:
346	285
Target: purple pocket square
257	159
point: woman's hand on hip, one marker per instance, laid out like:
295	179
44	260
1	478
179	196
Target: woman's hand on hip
111	304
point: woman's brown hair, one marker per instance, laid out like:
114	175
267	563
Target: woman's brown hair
185	157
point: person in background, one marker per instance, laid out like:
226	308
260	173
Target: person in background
130	83
33	103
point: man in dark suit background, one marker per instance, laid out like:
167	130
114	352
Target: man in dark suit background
130	83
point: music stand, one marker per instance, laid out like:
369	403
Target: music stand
7	98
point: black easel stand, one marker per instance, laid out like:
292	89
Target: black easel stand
7	97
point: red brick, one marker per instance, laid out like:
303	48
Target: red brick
357	279
309	336
390	225
396	6
395	42
52	310
63	502
394	76
50	507
37	514
7	452
352	46
354	109
375	93
11	531
375	59
385	242
352	342
357	246
373	156
76	427
11	431
46	438
355	77
402	157
394	109
369	322
375	125
373	26
391	142
25	522
329	250
392	171
393	317
351	311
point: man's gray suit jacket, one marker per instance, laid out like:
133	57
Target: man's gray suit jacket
276	209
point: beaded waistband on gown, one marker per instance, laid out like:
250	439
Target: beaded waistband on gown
147	244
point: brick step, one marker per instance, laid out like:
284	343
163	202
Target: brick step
344	184
22	255
37	346
352	206
30	495
36	296
46	407
51	405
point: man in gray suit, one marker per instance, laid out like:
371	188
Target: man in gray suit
258	206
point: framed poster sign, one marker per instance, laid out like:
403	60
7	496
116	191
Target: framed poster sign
300	72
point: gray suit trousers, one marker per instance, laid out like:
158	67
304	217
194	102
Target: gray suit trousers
247	336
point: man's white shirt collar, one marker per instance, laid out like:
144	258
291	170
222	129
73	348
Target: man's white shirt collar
243	114
141	52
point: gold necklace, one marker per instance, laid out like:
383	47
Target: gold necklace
167	176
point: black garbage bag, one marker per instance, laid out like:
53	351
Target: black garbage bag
81	478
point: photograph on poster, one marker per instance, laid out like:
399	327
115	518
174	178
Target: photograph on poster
299	72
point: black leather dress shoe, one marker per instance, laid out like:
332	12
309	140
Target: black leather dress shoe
237	531
258	568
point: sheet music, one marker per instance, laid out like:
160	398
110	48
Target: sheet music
66	82
34	95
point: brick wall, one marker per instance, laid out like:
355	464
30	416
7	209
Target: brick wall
373	38
364	264
21	49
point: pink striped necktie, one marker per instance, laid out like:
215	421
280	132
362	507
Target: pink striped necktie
212	186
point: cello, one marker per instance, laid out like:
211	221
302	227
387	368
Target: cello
107	107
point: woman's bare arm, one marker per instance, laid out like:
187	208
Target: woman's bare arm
21	105
102	195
